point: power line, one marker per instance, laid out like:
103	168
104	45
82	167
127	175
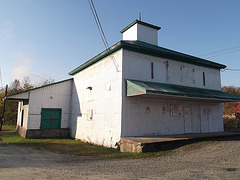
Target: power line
224	53
230	69
216	52
95	15
100	29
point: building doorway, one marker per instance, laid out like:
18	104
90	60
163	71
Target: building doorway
51	118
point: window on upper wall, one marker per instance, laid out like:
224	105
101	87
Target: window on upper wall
152	76
204	80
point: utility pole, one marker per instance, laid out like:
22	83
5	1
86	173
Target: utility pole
4	105
1	78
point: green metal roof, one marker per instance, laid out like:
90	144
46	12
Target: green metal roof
38	87
158	51
135	88
149	49
140	22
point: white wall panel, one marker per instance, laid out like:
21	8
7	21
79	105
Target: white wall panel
141	33
54	96
104	100
145	117
138	67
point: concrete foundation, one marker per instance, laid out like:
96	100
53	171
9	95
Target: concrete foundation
43	133
150	144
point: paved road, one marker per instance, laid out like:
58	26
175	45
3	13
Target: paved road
219	160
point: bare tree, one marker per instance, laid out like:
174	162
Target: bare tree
26	83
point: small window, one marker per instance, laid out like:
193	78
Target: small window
152	70
204	81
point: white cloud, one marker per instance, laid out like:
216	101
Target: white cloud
23	67
8	30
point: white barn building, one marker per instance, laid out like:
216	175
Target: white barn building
134	88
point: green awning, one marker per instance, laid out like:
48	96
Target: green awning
144	88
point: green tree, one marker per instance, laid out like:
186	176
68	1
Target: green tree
16	86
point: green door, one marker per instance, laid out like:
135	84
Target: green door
51	118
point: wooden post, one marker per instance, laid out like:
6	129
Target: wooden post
4	105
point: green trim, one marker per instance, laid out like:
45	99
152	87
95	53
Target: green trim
145	87
157	51
134	89
152	50
38	88
140	22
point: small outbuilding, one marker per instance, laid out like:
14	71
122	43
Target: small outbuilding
134	88
44	111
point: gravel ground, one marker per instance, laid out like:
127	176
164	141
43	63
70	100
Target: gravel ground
220	160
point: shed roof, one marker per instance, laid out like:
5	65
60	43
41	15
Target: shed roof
149	49
138	88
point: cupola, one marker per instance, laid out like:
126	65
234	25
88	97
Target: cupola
141	31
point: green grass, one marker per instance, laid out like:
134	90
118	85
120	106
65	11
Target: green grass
68	146
75	147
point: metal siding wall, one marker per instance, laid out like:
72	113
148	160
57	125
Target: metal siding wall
55	96
141	33
104	100
138	67
147	34
21	96
138	122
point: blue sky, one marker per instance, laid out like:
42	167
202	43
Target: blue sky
49	38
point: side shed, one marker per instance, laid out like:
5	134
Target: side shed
44	111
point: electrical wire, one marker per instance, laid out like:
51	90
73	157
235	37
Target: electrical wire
230	69
97	22
104	37
216	52
100	29
224	53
